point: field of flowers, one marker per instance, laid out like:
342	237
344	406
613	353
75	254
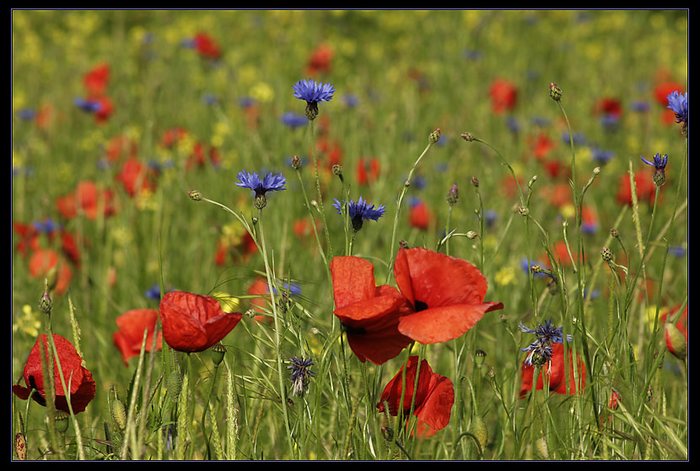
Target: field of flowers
349	235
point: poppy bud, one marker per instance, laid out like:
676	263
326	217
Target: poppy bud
554	91
471	235
434	136
337	170
61	420
195	195
532	181
217	353
614	233
21	446
118	413
596	171
480	432
675	341
542	449
523	211
45	303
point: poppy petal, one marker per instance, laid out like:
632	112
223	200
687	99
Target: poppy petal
21	392
434	413
368	308
218	327
353	280
378	346
441	324
436	279
392	392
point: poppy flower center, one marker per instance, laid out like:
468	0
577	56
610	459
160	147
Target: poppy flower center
353	330
420	306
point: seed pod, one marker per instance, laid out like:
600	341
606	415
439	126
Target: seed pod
434	136
21	446
119	413
217	353
61	421
542	449
479	430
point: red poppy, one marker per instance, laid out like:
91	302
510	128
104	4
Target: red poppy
131	325
420	216
682	326
558	195
88	199
172	136
554	370
136	177
206	46
198	157
561	254
42	264
643	180
541	146
192	322
119	147
509	186
608	106
237	253
303	229
556	168
446	294
367	171
504	96
29	238
259	290
77	378
434	397
96	80
369	314
661	93
69	247
614	401
332	152
105	111
45	117
320	60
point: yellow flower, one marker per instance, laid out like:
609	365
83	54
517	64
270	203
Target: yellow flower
262	92
650	315
28	322
145	201
568	211
228	302
505	276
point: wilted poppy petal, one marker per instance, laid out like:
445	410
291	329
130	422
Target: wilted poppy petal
434	413
353	280
435	279
441	324
21	391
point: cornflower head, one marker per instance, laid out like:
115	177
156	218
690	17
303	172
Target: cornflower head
89	106
541	349
313	92
301	372
659	165
270	182
678	103
359	211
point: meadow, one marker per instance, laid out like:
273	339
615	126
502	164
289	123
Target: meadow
189	236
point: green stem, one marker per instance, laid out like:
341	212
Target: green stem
313	226
392	249
278	353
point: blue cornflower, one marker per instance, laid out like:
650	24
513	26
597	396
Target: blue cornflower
513	124
351	101
294	120
187	43
677	251
659	165
678	103
414	201
301	372
589	228
442	140
472	54
359	211
418	182
153	292
527	268
579	138
541	349
246	102
540	121
601	156
47	226
271	182
293	288
595	294
610	122
313	92
26	114
640	106
210	99
88	106
490	217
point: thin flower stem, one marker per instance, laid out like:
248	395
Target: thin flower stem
313	227
447	230
278	352
392	248
505	162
